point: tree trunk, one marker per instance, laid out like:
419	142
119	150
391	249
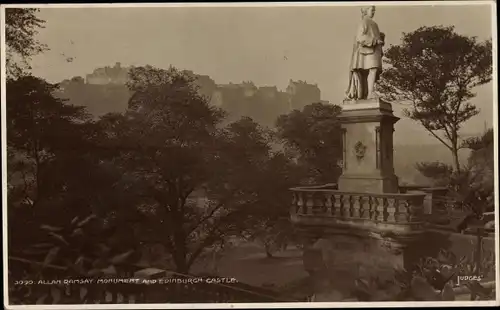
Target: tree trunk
181	265
456	161
267	248
180	253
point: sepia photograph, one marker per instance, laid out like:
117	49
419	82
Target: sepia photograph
236	155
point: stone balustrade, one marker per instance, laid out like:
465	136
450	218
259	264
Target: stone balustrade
385	212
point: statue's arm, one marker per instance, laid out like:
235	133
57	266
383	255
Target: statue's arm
364	37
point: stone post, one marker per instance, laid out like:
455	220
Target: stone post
435	198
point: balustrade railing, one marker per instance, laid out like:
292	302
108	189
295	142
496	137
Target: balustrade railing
314	205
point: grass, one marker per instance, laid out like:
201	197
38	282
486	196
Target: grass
248	264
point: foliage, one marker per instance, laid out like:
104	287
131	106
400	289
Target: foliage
435	69
472	192
167	170
59	184
44	135
37	120
439	172
482	142
314	137
81	250
480	172
199	182
472	188
98	99
275	235
432	279
21	27
163	144
447	266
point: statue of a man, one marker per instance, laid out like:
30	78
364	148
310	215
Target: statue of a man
366	60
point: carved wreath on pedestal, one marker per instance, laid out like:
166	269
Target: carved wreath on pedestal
359	150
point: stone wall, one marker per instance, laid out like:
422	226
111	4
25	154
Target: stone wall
336	261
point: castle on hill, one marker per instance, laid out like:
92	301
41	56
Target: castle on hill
104	91
108	75
297	94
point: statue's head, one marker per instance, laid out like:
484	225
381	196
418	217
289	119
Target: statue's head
368	11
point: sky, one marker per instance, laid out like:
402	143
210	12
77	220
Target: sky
266	45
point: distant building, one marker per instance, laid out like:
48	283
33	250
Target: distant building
249	89
118	75
108	75
263	104
301	94
230	94
217	98
206	85
268	92
298	93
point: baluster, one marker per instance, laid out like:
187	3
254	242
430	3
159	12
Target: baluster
338	201
374	208
391	210
379	209
402	211
355	207
328	204
409	211
346	206
368	207
364	207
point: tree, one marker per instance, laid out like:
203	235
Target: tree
439	172
39	127
475	183
21	26
473	187
269	223
314	136
199	181
61	194
56	170
435	70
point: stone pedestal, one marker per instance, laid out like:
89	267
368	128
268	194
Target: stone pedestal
368	127
365	228
335	262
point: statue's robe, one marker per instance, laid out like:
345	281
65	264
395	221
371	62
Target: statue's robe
366	54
